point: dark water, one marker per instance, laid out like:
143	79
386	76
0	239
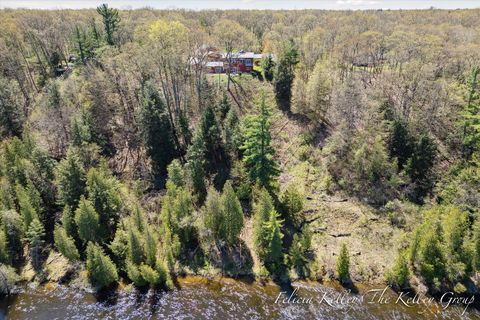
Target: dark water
198	298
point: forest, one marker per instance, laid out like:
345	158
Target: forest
352	153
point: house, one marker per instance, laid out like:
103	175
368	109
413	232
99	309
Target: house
238	62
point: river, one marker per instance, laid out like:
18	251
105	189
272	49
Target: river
199	298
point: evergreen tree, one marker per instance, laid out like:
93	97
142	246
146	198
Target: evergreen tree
150	275
262	209
35	236
212	217
471	116
431	255
284	73
70	180
343	264
476	246
298	253
267	64
419	166
184	128
195	166
95	35
87	221
135	246
65	244
224	107
27	209
119	246
68	222
456	229
232	212
104	193
232	132
292	204
400	274
211	135
400	143
258	153
11	116
176	174
111	21
101	269
79	131
273	252
240	180
134	274
4	254
13	228
150	245
156	129
80	41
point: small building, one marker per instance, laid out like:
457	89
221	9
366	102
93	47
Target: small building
238	62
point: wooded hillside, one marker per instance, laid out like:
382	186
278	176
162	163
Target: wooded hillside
133	163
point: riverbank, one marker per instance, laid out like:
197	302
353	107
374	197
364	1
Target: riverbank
223	298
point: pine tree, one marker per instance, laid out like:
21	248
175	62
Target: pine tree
273	252
232	212
431	255
70	180
35	236
211	135
87	221
101	269
343	264
80	42
298	253
134	274
258	153
196	166
262	209
476	246
135	251
232	134
240	180
184	128
419	166
138	218
292	204
11	116
267	64
156	129
4	254
119	246
400	274
104	193
111	21
471	116
80	134
224	107
13	228
176	174
68	222
150	275
65	244
150	245
400	143
27	210
284	73
213	224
